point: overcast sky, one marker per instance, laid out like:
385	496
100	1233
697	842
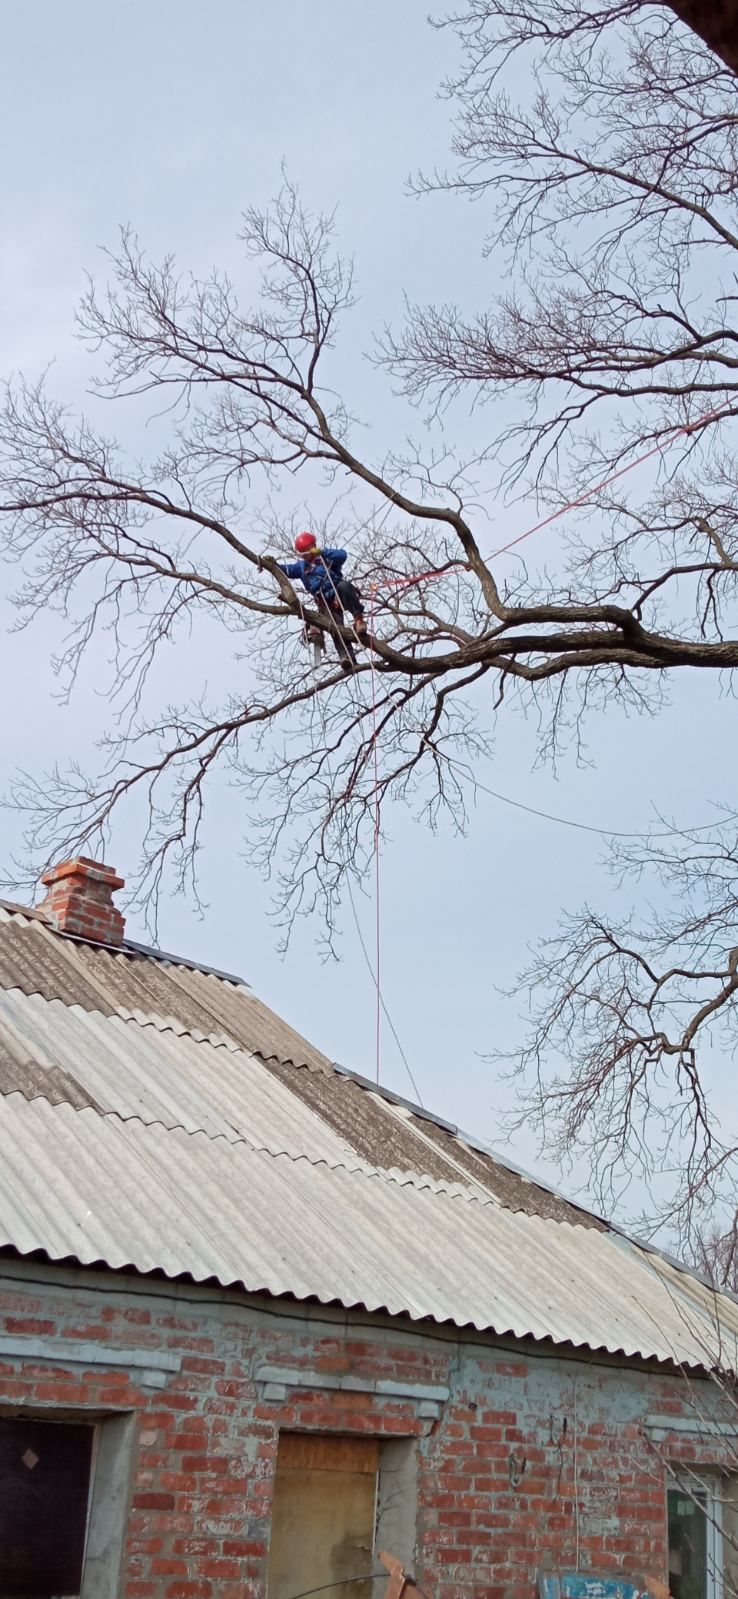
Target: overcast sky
175	117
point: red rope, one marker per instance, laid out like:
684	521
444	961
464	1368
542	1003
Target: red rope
573	505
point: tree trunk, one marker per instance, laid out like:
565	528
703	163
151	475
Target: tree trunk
716	21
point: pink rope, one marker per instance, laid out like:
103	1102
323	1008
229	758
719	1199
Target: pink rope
573	505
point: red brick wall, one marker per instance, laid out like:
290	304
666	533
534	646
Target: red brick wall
531	1457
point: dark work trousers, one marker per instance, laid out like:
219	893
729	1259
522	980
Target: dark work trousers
348	597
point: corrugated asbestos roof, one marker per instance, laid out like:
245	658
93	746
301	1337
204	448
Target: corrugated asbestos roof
158	1117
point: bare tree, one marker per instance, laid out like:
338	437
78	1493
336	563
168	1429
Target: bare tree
714	21
629	1020
717	1256
615	189
612	189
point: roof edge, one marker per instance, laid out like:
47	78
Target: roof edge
540	1347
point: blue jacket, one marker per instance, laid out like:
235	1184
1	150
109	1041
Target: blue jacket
319	575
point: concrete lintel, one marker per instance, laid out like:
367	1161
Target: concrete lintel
152	1366
358	1385
704	1427
290	1376
153	1379
275	1390
284	1377
414	1390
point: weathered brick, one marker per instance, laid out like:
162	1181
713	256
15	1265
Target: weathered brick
29	1326
495	1472
153	1501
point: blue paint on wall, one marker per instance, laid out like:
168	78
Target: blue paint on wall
579	1585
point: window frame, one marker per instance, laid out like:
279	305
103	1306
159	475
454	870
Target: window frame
696	1486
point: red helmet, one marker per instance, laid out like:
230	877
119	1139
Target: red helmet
305	542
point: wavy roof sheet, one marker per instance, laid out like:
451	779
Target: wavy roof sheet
158	1117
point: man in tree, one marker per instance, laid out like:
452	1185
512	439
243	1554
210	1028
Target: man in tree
321	573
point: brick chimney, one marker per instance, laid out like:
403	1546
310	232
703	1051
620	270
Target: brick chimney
80	900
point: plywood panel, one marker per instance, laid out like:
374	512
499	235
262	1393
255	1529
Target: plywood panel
306	1451
323	1516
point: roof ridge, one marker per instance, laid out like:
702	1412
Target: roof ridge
150	952
31	911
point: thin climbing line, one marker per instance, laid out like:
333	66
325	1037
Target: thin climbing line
376	973
372	974
367	1576
377	854
341	1582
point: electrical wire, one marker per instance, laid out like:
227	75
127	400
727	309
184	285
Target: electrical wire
567	821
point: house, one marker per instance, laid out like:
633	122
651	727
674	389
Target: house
260	1319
